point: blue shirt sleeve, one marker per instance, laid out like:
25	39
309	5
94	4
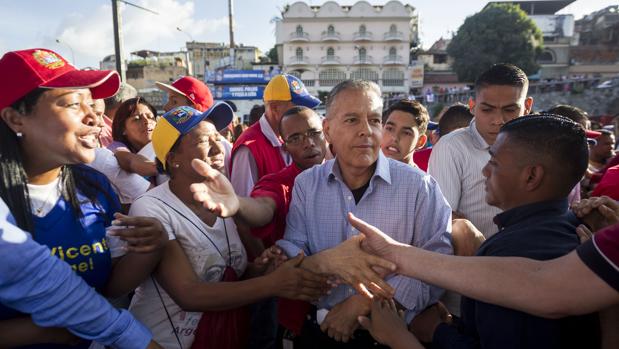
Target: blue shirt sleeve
34	282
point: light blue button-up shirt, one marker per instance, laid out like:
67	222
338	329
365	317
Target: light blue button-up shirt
400	200
33	281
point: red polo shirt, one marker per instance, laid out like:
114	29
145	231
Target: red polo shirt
421	158
609	184
278	186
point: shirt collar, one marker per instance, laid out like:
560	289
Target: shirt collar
381	171
268	132
478	140
531	211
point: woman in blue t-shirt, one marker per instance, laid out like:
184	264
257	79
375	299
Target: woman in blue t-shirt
48	130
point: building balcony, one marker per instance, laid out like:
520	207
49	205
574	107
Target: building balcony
360	60
393	60
299	37
298	60
330	60
330	36
393	36
358	36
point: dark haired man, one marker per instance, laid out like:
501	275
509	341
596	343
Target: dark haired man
404	131
603	150
457	160
534	164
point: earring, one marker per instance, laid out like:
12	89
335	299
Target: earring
19	134
177	165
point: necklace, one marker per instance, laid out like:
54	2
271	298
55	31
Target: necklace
41	196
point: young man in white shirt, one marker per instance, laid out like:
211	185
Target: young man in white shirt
457	160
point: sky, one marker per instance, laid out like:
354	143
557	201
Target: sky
84	27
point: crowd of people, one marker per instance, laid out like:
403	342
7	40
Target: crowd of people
370	227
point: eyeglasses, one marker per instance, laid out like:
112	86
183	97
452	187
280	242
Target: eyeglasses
299	138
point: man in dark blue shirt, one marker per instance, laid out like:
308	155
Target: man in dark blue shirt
535	162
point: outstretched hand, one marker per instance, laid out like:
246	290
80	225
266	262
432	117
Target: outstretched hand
216	192
376	242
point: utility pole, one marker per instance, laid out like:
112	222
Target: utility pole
118	37
118	41
231	26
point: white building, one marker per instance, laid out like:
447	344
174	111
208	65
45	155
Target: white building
326	44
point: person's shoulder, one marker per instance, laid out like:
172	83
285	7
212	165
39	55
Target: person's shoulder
313	176
91	174
248	135
454	139
156	194
403	171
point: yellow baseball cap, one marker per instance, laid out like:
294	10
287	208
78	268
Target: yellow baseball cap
286	87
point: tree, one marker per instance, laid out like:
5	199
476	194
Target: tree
272	54
500	33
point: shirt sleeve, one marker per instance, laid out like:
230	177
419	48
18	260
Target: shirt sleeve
601	255
295	238
432	232
444	168
244	171
269	189
34	282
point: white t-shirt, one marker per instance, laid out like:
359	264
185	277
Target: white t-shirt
206	261
149	152
129	186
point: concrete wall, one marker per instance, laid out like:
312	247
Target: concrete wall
594	101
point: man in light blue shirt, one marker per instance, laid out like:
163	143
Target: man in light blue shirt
400	199
33	281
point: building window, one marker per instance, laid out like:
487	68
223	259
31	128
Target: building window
330	52
393	77
330	30
299	30
365	74
546	57
362	29
362	53
331	77
299	53
439	58
295	73
393	52
393	29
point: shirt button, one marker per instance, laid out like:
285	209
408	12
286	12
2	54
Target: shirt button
349	197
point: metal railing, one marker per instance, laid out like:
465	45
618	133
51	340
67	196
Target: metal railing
359	36
362	60
299	36
330	60
297	60
393	36
393	59
329	36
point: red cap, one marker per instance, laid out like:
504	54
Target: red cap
23	71
592	134
197	91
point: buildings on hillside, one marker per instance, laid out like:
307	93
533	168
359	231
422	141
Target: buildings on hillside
558	33
324	45
210	56
597	52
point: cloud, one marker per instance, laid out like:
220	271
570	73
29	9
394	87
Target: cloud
91	36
